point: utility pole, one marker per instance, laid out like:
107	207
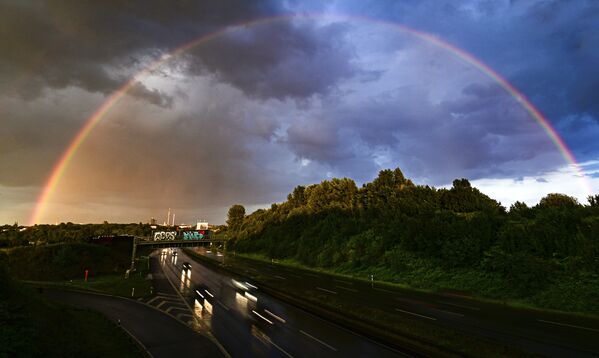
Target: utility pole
133	253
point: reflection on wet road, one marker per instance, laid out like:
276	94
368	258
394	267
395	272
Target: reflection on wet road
248	322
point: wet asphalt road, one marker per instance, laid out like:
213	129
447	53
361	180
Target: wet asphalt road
249	323
546	333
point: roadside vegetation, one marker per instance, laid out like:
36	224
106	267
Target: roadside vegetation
63	262
544	256
68	260
31	326
18	235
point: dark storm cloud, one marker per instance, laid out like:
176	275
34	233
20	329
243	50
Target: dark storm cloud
549	49
280	59
98	45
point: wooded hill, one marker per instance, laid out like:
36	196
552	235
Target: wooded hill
458	238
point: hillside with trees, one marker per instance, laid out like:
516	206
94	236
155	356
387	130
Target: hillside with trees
458	238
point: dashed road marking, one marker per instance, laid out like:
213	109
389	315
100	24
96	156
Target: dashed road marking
275	316
280	277
460	306
416	314
347	289
261	316
569	325
325	290
281	349
319	341
449	312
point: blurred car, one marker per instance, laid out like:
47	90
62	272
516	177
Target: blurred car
186	266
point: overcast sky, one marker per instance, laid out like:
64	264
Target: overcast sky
250	114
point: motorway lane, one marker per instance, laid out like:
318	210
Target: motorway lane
550	334
248	322
162	335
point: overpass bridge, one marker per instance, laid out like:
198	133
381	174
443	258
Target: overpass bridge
165	239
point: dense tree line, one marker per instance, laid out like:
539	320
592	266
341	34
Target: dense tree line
396	227
15	235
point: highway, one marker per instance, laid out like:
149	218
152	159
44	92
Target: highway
539	332
160	334
250	323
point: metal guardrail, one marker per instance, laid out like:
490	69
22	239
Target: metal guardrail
176	243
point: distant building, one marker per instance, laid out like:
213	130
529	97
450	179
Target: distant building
202	225
153	221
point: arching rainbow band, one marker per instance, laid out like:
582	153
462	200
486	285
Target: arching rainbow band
61	165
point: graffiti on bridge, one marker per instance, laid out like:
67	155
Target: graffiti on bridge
182	235
165	235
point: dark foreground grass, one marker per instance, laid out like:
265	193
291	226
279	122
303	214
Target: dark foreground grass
395	330
31	326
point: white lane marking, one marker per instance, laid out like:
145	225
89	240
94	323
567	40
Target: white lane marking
569	325
460	306
208	292
275	316
281	349
249	296
222	305
279	277
346	282
261	316
325	290
160	304
153	299
416	314
382	289
167	295
347	288
319	341
449	312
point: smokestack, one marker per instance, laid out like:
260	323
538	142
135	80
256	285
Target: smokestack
173	219
168	217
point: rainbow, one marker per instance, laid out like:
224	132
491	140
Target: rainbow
59	168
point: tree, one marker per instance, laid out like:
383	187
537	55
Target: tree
235	217
558	200
462	197
593	200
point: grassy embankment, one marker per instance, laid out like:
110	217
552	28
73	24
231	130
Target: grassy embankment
64	265
572	295
31	326
405	332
